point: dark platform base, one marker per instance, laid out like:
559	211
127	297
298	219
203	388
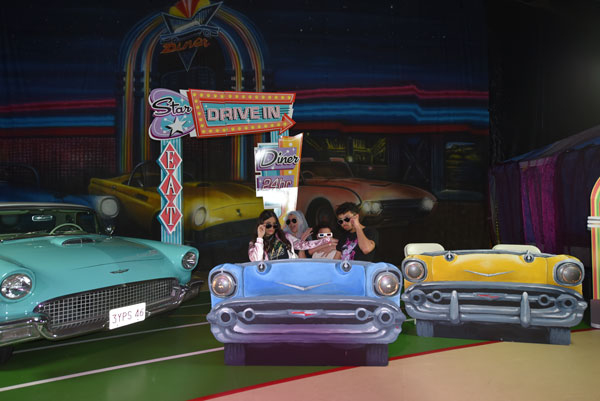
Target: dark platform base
497	332
311	355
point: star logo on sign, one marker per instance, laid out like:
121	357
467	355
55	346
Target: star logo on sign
176	127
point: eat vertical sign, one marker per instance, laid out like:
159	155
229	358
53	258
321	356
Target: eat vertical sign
170	188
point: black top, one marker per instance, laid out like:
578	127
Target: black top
348	245
276	248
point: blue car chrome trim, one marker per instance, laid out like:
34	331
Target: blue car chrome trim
301	288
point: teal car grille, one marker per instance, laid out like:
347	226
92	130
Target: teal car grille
91	308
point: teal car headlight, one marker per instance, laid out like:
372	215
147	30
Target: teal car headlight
223	284
189	260
16	286
387	284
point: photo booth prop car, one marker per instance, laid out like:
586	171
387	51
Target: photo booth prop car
507	285
61	276
346	303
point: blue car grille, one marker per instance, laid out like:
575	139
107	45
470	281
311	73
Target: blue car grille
271	313
91	308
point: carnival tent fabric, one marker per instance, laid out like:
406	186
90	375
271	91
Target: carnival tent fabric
542	197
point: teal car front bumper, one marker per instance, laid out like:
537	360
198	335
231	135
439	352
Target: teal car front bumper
75	314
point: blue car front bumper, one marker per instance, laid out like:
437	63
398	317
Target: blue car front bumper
301	319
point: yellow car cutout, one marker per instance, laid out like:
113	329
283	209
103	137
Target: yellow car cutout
223	212
508	284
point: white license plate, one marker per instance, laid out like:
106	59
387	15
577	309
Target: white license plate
127	315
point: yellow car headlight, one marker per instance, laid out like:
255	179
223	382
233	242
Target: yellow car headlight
569	272
199	217
414	270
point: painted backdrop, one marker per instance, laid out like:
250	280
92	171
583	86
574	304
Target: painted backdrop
391	96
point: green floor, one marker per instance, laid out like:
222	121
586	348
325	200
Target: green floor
169	357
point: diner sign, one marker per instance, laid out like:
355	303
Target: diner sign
277	167
280	161
235	113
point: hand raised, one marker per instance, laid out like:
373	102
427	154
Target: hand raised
306	234
354	221
260	231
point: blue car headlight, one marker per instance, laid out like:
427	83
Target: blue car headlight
16	286
386	284
223	284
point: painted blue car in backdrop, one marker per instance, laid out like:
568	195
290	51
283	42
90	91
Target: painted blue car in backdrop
62	276
21	183
306	301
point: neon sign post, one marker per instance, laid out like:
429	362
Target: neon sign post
209	114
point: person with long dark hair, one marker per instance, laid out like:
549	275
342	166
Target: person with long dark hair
273	243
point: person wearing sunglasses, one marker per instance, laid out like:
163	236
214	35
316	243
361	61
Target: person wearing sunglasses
272	243
295	224
357	241
326	251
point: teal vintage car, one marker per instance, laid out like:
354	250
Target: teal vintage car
62	275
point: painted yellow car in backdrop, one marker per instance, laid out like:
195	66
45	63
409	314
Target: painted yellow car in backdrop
216	214
508	284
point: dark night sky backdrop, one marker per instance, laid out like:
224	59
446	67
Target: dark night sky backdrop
69	49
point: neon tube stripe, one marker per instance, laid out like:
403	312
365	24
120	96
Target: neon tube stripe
389	91
59	105
390	128
57	131
128	104
595	211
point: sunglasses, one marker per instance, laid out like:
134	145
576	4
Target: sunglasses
345	219
323	235
291	220
269	225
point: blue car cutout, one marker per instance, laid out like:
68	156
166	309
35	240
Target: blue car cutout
345	303
61	275
21	183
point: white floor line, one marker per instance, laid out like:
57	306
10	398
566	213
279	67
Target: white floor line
61	344
95	371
